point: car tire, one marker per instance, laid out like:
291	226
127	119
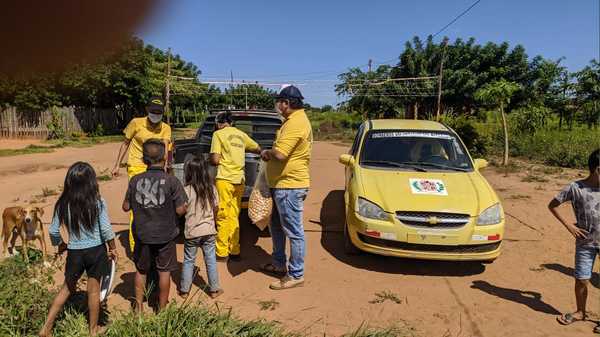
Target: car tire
488	261
349	247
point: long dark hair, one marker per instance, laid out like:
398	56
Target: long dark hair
197	176
77	207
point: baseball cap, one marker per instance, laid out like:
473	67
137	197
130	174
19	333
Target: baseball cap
288	92
156	105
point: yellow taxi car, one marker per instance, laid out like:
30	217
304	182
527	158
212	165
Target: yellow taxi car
413	190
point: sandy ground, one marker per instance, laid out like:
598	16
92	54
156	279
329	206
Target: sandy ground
518	295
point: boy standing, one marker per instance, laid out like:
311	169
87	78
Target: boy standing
156	200
584	196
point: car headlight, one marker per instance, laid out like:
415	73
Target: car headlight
491	216
370	210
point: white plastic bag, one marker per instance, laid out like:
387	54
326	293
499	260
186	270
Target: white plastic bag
260	203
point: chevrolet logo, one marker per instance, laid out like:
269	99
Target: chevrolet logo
432	220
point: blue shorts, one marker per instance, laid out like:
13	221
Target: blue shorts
584	262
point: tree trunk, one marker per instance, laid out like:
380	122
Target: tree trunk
560	121
505	126
416	115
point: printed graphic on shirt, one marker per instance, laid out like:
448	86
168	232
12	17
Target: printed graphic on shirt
238	138
150	193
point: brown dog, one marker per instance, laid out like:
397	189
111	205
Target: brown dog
26	223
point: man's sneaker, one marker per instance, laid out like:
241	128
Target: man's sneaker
215	294
287	282
271	269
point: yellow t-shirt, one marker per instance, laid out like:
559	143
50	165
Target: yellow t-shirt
232	143
294	140
138	131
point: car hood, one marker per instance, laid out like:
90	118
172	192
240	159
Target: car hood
459	192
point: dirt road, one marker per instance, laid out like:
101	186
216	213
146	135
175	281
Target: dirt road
518	295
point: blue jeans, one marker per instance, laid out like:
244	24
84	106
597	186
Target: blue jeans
207	243
286	222
584	262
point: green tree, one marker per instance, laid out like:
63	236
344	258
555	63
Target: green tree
499	94
326	108
587	91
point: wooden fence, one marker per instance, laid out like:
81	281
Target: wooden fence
34	124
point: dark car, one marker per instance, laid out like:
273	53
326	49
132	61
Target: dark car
260	125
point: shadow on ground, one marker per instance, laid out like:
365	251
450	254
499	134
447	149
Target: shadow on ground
531	299
123	237
332	239
78	303
569	271
252	254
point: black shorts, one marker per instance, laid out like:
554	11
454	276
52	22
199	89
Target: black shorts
93	261
162	256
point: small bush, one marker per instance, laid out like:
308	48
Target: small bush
476	142
99	131
55	126
24	295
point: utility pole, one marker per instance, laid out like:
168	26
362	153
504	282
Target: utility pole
231	91
246	91
439	95
168	87
370	64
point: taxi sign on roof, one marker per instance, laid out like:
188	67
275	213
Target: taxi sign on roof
401	134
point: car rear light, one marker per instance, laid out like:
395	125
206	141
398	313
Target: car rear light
493	237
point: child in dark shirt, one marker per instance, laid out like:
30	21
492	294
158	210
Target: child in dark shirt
156	199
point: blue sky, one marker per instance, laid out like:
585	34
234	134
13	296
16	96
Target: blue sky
310	42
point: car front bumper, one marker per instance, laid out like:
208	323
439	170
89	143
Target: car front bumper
468	243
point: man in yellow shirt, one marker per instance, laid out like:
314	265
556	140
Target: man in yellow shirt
136	133
289	180
228	152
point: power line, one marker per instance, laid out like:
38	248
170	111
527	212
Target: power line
439	31
456	18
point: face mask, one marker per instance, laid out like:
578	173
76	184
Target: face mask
277	108
155	118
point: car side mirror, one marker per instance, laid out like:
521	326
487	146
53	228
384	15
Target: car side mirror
347	159
480	163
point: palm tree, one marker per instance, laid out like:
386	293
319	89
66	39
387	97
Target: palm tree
499	93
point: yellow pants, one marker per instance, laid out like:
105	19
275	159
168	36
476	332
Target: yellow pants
228	224
131	172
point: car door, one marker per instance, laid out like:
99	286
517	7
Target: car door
349	171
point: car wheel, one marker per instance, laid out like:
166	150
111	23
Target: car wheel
349	247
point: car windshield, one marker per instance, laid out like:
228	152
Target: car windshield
405	150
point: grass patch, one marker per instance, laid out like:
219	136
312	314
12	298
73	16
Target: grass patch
30	149
33	286
385	296
269	305
518	197
86	141
534	178
105	175
24	295
60	143
48	192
